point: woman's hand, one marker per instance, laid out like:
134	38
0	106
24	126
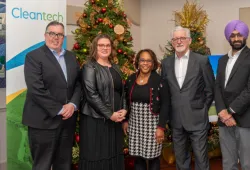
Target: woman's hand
125	127
122	112
117	117
159	135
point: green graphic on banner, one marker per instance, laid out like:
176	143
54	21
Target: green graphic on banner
18	153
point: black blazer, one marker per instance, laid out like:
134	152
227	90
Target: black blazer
190	103
236	94
159	96
47	88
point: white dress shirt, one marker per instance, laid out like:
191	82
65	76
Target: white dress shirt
180	66
230	63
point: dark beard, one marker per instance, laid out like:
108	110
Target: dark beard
237	47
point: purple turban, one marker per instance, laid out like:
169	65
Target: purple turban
237	25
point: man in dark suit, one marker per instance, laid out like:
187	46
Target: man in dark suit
232	98
191	81
53	95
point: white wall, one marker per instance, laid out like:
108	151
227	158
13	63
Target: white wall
157	16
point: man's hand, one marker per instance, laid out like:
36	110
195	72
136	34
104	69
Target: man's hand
159	135
68	110
230	122
224	115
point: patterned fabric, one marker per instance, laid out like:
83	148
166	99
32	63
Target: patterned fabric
142	127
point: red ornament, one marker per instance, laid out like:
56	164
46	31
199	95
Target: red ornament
92	1
119	51
123	82
75	166
77	138
100	19
76	46
124	15
129	162
111	26
103	10
84	15
131	38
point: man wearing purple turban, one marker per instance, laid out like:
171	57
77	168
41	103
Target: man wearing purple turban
232	98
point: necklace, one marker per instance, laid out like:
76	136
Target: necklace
141	81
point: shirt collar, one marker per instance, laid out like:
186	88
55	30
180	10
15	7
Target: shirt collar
185	56
55	53
236	54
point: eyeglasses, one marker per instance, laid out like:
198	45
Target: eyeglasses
181	39
53	34
236	35
103	45
145	61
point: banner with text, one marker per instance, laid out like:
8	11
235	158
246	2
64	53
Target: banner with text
26	23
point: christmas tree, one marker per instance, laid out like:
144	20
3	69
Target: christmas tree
103	17
194	18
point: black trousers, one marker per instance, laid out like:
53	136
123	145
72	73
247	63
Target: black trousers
153	164
51	147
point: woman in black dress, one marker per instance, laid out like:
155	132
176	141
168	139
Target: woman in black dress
149	102
101	136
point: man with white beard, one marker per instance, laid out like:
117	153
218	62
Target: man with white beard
191	82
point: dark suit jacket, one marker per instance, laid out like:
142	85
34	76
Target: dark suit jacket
236	94
190	104
47	88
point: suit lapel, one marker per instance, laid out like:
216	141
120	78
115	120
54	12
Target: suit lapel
53	59
173	71
190	67
241	58
67	63
223	70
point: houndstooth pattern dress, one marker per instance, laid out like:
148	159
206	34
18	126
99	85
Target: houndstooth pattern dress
142	128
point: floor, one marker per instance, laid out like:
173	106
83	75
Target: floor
215	164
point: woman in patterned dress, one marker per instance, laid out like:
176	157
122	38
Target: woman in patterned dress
148	99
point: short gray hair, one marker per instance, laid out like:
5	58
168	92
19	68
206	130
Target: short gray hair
180	28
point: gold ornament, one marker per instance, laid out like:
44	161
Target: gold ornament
110	1
106	21
84	30
119	37
115	60
92	17
119	29
168	155
77	31
192	17
88	43
116	42
84	50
